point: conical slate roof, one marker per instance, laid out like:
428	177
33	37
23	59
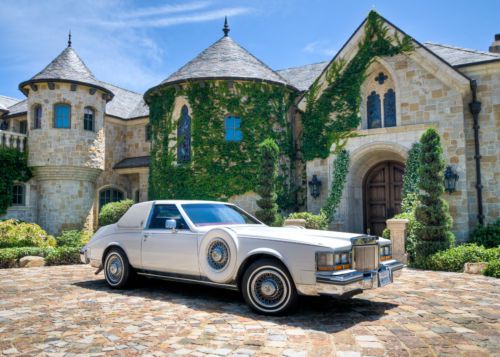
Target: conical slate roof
225	59
67	67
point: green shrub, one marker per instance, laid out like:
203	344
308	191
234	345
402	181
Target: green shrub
266	187
9	257
493	269
14	233
433	233
73	238
313	221
488	235
411	179
453	259
113	211
63	256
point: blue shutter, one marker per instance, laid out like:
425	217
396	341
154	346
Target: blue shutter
233	132
389	108
62	116
374	111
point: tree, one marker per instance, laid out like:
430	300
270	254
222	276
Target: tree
269	153
433	234
410	179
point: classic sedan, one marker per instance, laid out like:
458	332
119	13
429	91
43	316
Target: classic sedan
219	244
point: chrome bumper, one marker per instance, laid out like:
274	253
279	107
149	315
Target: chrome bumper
348	281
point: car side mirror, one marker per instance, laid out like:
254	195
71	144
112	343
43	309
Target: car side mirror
171	224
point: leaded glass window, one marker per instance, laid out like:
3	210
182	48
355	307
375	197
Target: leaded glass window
390	108
37	116
88	119
233	129
109	195
62	114
374	111
184	136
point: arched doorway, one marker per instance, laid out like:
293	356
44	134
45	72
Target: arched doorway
382	195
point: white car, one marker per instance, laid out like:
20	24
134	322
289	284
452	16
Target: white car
219	244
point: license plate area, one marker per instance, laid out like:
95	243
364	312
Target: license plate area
384	277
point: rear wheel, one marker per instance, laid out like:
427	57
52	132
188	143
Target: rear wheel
117	270
268	288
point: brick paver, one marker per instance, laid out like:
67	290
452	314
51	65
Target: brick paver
67	310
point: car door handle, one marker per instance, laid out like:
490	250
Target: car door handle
146	236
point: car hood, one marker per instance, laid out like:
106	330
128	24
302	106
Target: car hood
297	235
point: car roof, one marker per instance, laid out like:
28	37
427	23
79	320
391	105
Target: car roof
187	201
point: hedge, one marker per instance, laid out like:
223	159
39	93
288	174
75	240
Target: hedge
313	221
453	259
113	211
15	233
488	235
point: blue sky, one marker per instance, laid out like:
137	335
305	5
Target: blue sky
136	44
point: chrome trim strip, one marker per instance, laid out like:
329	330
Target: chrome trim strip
340	279
188	280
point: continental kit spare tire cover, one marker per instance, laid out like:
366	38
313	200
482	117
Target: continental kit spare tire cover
217	255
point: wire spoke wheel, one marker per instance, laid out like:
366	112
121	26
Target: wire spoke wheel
114	268
269	288
218	255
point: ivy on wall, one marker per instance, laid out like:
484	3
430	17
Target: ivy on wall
339	176
332	117
14	168
218	168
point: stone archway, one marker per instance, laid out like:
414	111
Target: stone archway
382	195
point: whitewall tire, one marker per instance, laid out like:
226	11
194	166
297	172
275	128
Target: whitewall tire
117	270
268	288
217	255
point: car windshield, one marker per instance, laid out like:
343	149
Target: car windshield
211	214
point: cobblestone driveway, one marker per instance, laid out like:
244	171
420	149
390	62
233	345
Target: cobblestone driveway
68	310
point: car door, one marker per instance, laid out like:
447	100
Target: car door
172	251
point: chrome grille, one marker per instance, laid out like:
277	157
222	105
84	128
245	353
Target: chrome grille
366	257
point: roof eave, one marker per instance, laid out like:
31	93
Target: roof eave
477	63
45	80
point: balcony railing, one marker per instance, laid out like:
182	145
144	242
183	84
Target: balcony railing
10	139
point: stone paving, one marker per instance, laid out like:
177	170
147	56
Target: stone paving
67	310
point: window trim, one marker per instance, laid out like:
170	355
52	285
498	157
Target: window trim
35	109
54	116
92	119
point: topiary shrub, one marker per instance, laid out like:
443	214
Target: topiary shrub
409	191
269	152
14	233
488	235
113	211
313	221
433	232
73	238
493	269
63	256
453	259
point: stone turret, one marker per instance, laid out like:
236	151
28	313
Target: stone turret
495	46
66	107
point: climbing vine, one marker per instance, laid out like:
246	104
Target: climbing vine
332	117
14	168
339	176
218	168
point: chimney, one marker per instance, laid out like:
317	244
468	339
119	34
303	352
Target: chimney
495	46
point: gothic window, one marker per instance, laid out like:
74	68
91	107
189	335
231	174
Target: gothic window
109	195
233	130
62	114
184	136
37	116
88	119
390	108
374	111
18	195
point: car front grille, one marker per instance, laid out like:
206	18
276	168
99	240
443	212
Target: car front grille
366	257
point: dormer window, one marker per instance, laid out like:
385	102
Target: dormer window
88	119
62	114
37	116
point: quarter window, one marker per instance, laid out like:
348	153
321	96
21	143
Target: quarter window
109	195
233	130
88	119
18	195
37	116
62	116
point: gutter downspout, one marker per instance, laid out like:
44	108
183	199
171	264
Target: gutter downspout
475	109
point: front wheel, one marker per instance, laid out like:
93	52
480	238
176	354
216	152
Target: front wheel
117	270
268	288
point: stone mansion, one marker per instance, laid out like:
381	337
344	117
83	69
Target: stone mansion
89	142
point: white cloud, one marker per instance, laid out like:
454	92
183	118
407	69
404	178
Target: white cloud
165	9
323	47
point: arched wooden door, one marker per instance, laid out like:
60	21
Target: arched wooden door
382	195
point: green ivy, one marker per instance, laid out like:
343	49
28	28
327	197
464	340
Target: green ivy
220	169
332	117
339	176
14	168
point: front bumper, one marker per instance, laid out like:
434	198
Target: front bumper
348	281
84	256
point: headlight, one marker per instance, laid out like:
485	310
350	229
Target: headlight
332	261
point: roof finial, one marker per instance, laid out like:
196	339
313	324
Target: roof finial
69	39
226	27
